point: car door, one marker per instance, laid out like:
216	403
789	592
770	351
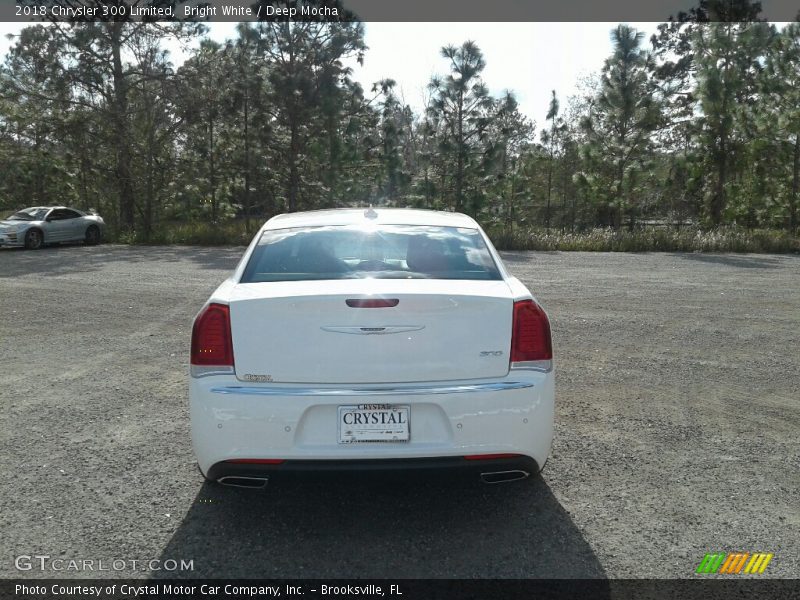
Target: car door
75	230
59	225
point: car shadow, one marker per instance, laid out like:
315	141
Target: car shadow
381	528
742	262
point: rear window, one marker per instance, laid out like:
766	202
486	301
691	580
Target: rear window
380	252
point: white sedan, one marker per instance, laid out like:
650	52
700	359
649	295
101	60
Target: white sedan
371	339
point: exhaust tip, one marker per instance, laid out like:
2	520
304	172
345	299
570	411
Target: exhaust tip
253	483
504	476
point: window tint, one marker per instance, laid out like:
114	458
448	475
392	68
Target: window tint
29	214
59	214
384	252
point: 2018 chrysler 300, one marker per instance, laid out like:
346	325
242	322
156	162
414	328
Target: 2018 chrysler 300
374	339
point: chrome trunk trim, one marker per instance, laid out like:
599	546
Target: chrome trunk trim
416	390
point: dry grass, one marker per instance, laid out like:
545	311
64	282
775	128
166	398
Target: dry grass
651	240
233	233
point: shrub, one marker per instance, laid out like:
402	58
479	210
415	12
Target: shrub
198	233
233	233
650	240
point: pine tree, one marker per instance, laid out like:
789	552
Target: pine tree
459	102
620	127
305	71
780	115
550	140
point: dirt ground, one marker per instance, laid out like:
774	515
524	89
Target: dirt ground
677	430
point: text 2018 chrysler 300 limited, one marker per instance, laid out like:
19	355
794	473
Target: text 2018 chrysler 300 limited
371	339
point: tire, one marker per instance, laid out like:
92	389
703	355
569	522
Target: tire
92	237
34	239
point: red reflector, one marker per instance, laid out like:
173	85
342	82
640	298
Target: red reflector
211	337
257	461
372	302
530	333
489	456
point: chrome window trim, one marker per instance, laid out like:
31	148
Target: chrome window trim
494	386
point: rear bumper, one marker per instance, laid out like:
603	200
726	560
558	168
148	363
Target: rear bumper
437	467
298	424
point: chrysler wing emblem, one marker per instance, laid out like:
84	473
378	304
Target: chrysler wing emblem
374	330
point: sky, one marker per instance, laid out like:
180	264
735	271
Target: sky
530	59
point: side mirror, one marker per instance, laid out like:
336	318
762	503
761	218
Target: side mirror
48	219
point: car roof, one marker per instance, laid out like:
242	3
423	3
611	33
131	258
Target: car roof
45	207
380	216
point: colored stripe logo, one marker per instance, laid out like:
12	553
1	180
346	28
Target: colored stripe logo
734	563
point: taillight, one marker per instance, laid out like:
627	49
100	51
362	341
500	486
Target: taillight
212	347
531	347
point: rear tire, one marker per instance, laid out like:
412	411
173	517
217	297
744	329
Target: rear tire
92	236
34	239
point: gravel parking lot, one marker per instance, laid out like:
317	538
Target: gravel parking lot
677	430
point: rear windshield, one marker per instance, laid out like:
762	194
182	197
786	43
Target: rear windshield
380	252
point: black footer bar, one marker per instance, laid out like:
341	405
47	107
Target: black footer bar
398	589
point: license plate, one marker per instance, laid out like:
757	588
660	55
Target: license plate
373	423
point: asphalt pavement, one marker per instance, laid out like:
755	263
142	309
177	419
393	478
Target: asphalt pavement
677	430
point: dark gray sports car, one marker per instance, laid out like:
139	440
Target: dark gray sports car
34	227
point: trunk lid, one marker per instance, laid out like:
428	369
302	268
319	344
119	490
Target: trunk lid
305	331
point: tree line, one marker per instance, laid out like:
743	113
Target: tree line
698	125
